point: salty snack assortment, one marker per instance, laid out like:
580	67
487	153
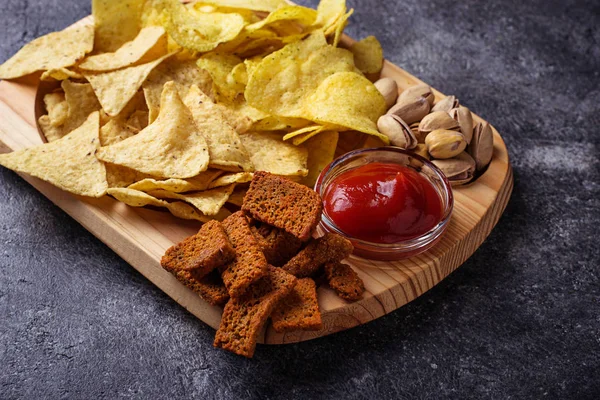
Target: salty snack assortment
192	99
239	247
442	132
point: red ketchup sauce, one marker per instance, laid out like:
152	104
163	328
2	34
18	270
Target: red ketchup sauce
383	203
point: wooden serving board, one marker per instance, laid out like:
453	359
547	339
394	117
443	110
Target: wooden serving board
141	236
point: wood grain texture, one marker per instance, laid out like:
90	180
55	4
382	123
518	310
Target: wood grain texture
141	236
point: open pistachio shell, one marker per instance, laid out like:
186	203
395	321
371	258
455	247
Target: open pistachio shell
459	170
463	116
446	104
421	90
482	145
397	131
411	108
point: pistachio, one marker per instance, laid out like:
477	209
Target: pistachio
419	90
397	131
421	150
463	116
410	108
482	145
459	170
437	120
388	89
445	144
446	104
414	127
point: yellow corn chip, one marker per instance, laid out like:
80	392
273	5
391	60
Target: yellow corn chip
114	131
60	74
368	55
269	153
137	121
114	89
53	51
209	202
197	183
224	145
116	22
119	176
321	151
183	73
68	163
224	180
81	102
171	147
149	44
350	100
57	107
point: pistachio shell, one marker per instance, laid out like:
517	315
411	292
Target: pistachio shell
463	116
397	131
410	108
419	90
446	104
482	145
445	144
388	89
437	120
459	170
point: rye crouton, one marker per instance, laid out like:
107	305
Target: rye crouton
344	280
202	252
284	204
328	248
277	245
299	310
249	264
210	287
244	318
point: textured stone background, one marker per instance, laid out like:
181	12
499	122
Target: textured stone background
520	319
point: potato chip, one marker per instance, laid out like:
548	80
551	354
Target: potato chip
224	145
183	73
340	26
368	55
81	102
114	89
53	51
282	82
287	15
57	107
197	183
171	146
307	129
329	12
219	66
350	100
228	179
60	74
298	140
68	163
240	115
255	5
136	198
321	151
269	153
116	23
209	202
272	123
149	44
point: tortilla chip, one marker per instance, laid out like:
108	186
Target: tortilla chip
53	51
120	177
368	55
224	145
228	179
269	153
114	89
137	121
68	163
171	147
60	74
114	131
81	102
57	107
116	23
183	73
321	152
209	202
197	183
149	44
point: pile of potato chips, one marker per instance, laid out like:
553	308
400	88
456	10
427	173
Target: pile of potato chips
175	105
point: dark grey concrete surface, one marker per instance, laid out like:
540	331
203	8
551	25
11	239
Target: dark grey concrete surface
520	319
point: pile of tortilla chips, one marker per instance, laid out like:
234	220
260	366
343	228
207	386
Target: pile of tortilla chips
175	105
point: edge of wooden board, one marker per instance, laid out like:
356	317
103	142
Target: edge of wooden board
140	236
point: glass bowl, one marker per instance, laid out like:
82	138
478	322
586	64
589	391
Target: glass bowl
391	155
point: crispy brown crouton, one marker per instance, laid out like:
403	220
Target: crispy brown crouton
244	318
344	280
202	252
299	310
328	248
277	245
249	264
284	204
210	287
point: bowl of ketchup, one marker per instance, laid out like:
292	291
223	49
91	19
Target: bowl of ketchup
389	202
